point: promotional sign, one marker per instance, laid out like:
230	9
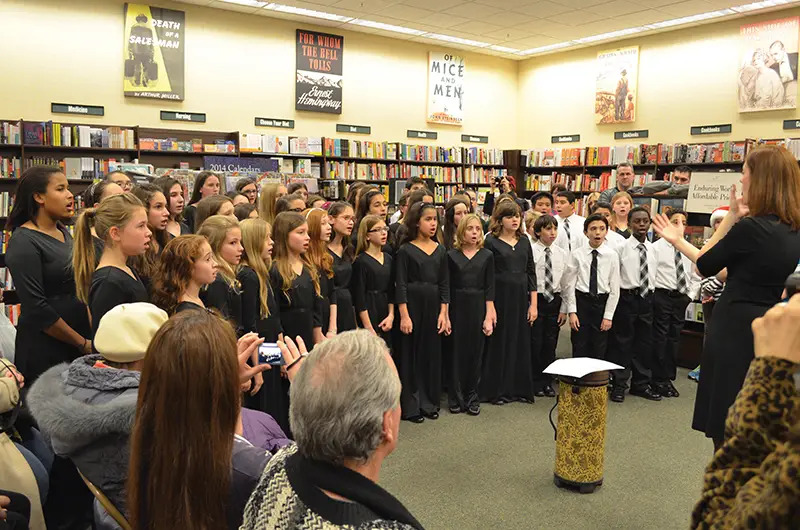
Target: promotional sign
710	190
153	53
241	165
318	86
616	85
767	75
445	88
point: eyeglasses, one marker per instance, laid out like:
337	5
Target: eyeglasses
298	210
377	230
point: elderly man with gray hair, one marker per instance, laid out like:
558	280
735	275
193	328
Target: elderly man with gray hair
345	416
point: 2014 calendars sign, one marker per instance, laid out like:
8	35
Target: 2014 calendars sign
153	52
319	72
445	88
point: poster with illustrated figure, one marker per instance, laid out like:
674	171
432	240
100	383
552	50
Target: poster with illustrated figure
153	53
616	85
767	76
318	86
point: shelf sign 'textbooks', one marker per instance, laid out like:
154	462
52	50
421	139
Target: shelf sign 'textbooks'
356	129
474	139
445	88
428	135
565	138
183	116
318	85
624	135
275	122
68	108
153	53
711	129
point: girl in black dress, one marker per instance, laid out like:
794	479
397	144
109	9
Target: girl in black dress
224	293
154	200
206	184
621	204
173	191
121	223
186	266
319	229
341	249
507	375
294	279
472	313
372	202
454	211
423	295
54	325
373	286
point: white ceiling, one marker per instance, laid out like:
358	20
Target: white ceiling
520	28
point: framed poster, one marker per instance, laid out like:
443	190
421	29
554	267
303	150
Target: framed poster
616	85
319	72
445	88
767	76
708	191
153	54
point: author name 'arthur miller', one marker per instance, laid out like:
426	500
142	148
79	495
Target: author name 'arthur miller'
319	98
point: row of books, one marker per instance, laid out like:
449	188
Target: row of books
581	182
302	166
475	175
360	149
428	153
6	202
712	153
330	190
87	167
444	192
195	145
10	168
10	132
478	155
12	312
437	173
270	143
567	156
633	154
639	154
60	135
360	171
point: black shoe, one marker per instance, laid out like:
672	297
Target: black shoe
539	393
673	392
415	419
498	401
525	400
455	409
618	394
431	415
549	392
645	392
474	409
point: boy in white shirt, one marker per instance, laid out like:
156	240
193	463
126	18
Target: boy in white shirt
570	224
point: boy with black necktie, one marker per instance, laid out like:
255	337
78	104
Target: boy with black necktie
675	284
592	290
550	261
632	338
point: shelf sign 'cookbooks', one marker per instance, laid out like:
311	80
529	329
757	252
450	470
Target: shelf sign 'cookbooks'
791	124
767	76
68	108
616	85
319	72
565	138
624	135
445	88
275	122
711	129
153	52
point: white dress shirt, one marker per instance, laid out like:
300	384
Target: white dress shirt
558	261
395	216
614	240
576	238
667	276
629	269
578	273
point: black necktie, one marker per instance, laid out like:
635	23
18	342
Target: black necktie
593	274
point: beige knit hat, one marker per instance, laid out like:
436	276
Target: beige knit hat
125	332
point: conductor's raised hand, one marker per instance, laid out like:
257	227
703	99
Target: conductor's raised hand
245	347
737	206
665	229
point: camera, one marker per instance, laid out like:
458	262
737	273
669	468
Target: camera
269	353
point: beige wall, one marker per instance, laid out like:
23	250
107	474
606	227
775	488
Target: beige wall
237	67
686	77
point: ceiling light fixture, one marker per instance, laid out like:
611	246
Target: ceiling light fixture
307	12
504	49
610	35
549	47
760	5
456	40
690	19
386	27
248	3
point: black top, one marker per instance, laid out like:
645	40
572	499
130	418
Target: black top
267	328
184	228
99	247
414	265
512	260
472	274
226	299
112	286
342	276
624	233
188	217
183	306
488	203
369	276
299	306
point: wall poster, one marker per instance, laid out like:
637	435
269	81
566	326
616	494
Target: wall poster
153	54
319	72
767	77
445	88
616	85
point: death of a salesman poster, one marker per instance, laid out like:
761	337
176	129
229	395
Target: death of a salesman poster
153	53
319	72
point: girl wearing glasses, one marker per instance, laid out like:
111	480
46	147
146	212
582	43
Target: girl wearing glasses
372	285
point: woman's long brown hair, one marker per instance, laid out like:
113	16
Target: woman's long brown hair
186	415
254	235
317	248
267	200
774	184
175	270
147	263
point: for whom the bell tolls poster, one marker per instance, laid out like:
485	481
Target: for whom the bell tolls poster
319	72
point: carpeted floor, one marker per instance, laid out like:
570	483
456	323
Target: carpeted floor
496	470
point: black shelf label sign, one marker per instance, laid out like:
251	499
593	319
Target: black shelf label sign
475	139
624	135
275	122
358	129
183	116
564	139
712	129
791	124
430	135
69	108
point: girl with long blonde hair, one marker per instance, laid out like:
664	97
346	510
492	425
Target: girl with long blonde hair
319	229
187	266
372	285
270	193
224	294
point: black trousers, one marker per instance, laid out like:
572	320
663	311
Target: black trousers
632	340
544	339
669	315
589	341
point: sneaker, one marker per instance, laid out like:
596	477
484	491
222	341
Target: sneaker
474	409
694	375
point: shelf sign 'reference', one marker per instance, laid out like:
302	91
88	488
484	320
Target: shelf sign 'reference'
275	122
357	129
623	135
563	139
475	139
791	124
183	116
86	110
429	135
712	129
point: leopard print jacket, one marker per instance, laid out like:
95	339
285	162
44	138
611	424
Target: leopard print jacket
754	479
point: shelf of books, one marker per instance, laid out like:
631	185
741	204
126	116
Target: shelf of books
482	175
422	154
352	170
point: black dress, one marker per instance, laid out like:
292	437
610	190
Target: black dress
41	267
99	247
188	218
327	294
227	299
187	306
373	290
299	307
759	253
421	283
345	311
506	370
112	286
471	286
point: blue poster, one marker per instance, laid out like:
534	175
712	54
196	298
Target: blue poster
239	164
